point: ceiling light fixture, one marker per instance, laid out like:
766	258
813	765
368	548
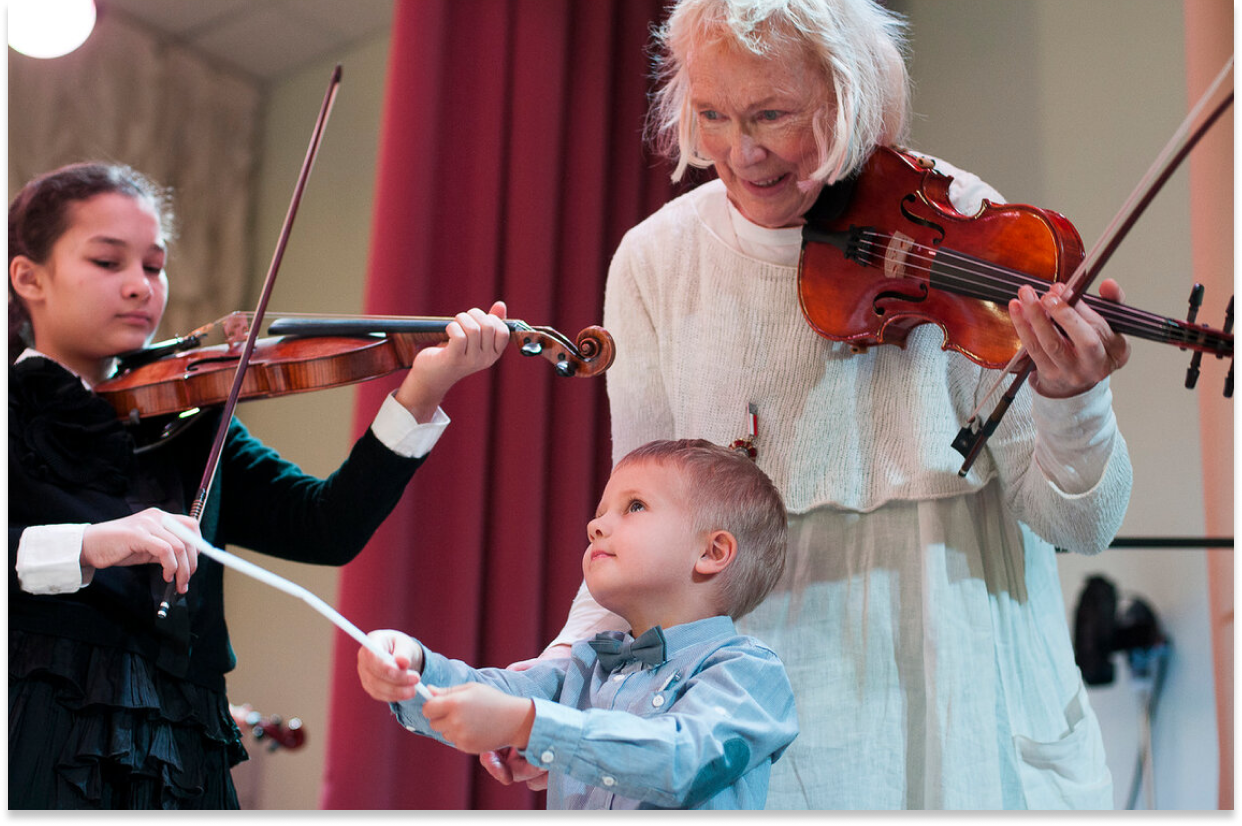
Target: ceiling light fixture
49	28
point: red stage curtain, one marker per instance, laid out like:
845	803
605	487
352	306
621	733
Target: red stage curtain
510	164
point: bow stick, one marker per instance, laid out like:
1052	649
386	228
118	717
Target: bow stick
226	418
280	583
972	437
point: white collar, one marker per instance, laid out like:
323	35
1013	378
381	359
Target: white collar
772	246
31	352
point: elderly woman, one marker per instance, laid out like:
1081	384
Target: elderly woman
920	616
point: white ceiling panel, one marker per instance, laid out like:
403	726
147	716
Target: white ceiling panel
264	38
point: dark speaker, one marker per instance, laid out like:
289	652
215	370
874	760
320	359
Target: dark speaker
1095	631
1099	632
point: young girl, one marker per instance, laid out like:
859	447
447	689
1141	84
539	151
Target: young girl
109	708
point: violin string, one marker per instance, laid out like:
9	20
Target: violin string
1003	285
1122	318
1129	320
974	274
249	315
982	279
970	279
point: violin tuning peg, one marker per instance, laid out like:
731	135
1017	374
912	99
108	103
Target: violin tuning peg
531	347
1229	329
1192	372
1196	300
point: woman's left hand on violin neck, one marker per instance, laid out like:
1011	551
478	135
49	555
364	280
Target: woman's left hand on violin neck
1073	347
476	340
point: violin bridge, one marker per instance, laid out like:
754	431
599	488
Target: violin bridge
896	254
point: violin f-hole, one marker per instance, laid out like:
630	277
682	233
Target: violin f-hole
920	294
922	222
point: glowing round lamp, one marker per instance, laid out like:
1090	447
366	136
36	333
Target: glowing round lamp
49	28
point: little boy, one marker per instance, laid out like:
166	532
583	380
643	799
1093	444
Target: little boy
680	713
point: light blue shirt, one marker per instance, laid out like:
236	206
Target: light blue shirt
699	731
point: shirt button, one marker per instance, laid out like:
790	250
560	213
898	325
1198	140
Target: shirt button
609	781
547	756
409	728
616	678
657	700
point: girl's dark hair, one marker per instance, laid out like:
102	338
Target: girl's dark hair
39	215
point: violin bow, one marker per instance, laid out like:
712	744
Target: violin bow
973	435
213	458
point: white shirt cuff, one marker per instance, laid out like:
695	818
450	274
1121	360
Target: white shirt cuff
49	559
49	556
1075	437
401	433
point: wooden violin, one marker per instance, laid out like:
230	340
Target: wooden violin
893	254
273	731
315	353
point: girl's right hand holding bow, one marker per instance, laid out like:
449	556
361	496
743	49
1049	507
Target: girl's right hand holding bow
140	539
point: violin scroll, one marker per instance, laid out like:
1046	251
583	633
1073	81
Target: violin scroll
274	731
591	354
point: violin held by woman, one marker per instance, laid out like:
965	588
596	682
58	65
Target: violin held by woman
887	251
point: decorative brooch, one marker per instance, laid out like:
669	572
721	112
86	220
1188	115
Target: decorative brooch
746	444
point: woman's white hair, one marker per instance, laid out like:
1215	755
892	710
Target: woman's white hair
860	45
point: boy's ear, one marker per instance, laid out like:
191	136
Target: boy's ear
718	554
25	276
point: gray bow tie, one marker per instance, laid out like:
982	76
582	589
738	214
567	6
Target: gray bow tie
613	652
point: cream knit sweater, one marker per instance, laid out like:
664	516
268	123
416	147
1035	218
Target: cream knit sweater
704	330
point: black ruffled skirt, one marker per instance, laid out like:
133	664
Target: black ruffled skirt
101	728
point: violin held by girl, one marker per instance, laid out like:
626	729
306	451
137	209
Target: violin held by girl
306	353
90	670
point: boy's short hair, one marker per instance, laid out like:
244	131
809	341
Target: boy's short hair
732	494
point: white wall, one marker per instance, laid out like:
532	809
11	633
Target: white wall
284	648
1064	104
